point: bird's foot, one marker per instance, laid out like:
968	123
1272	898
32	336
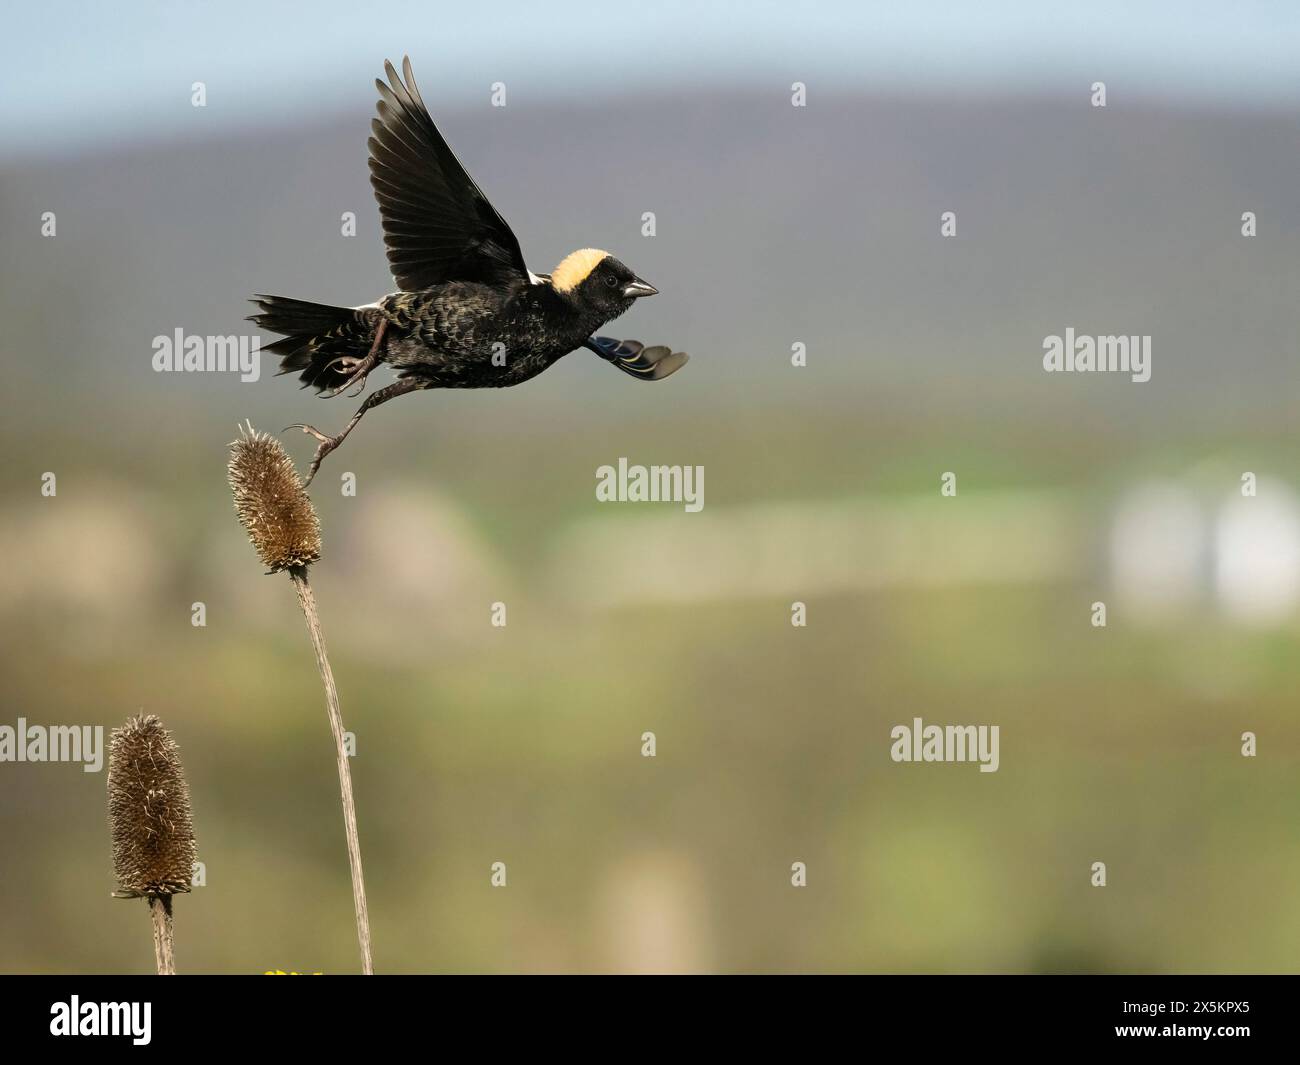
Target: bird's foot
326	445
356	369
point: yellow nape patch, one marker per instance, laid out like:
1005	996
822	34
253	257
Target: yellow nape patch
575	267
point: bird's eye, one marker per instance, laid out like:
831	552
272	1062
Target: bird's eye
611	280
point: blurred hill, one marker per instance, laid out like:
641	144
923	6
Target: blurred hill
775	224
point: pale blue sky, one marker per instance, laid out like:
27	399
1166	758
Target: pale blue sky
79	72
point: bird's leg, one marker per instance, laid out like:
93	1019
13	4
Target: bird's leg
359	367
329	443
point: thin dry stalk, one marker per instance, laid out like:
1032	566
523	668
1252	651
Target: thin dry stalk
164	951
298	574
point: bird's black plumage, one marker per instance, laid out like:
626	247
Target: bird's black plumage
469	313
438	225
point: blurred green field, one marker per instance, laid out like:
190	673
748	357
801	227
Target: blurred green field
522	744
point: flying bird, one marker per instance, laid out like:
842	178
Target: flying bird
468	313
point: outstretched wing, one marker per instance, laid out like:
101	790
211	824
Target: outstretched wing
438	225
635	359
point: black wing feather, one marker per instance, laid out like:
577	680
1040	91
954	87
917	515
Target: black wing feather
438	225
636	360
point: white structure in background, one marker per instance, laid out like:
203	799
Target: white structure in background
1174	546
1257	554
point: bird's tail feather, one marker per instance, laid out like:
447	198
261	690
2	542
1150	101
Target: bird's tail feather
315	336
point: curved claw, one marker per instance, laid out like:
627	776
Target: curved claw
310	430
330	393
351	364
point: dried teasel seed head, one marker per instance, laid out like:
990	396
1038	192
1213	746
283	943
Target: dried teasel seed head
149	811
271	502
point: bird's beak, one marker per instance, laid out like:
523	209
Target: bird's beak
636	287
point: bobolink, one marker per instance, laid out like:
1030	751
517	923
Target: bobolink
469	313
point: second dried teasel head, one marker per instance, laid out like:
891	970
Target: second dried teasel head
149	812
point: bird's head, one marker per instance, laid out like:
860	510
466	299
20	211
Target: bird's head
597	282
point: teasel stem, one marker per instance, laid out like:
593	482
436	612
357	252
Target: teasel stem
160	908
298	574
